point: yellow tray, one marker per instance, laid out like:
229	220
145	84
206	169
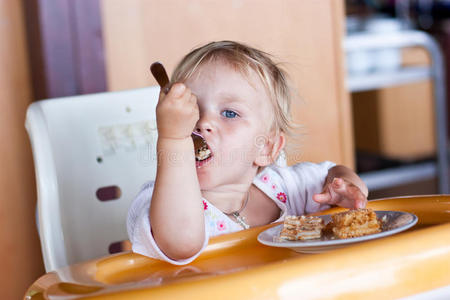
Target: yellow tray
237	266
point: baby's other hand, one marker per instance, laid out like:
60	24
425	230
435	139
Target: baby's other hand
177	113
342	193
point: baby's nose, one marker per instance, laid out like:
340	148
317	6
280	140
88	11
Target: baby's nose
204	125
202	129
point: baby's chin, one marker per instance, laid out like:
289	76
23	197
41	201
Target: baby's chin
208	182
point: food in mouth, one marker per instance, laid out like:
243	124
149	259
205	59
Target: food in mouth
202	152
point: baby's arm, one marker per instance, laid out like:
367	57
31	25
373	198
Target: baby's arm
343	187
176	210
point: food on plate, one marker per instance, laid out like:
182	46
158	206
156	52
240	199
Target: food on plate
354	223
348	224
301	228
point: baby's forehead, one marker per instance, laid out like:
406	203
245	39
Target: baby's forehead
250	75
263	104
245	74
239	66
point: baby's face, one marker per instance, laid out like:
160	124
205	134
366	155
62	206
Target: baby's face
235	117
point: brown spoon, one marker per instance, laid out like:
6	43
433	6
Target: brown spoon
161	77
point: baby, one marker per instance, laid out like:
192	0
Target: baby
238	100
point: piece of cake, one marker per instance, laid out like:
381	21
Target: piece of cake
301	228
355	223
202	151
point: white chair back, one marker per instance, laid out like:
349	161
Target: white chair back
92	154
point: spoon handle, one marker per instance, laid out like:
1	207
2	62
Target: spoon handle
160	75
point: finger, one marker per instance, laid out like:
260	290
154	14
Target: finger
193	99
344	188
163	92
166	89
342	193
360	200
351	197
195	110
339	186
354	197
177	91
176	95
360	203
324	197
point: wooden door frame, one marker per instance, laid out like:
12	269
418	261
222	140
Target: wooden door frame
65	47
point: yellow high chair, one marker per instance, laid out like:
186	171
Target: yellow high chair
93	153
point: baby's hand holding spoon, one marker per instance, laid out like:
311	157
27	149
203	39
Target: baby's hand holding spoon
177	110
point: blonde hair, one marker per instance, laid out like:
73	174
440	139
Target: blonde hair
245	59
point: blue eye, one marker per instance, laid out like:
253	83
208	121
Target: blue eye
229	114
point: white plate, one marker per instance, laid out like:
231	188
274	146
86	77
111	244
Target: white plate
393	222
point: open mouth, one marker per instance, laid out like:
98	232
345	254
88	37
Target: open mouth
202	151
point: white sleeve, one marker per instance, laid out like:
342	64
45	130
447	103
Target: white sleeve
308	179
301	182
139	229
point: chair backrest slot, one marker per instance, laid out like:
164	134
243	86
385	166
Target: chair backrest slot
108	193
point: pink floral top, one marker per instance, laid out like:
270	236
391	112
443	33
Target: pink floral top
291	188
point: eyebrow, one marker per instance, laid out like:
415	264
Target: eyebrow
232	98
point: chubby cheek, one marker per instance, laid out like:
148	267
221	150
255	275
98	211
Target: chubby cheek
239	151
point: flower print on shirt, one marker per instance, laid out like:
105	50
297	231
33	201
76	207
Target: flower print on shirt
205	205
265	178
282	197
221	225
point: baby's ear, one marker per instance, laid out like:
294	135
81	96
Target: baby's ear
269	148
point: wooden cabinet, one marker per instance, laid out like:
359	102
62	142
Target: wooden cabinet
397	122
